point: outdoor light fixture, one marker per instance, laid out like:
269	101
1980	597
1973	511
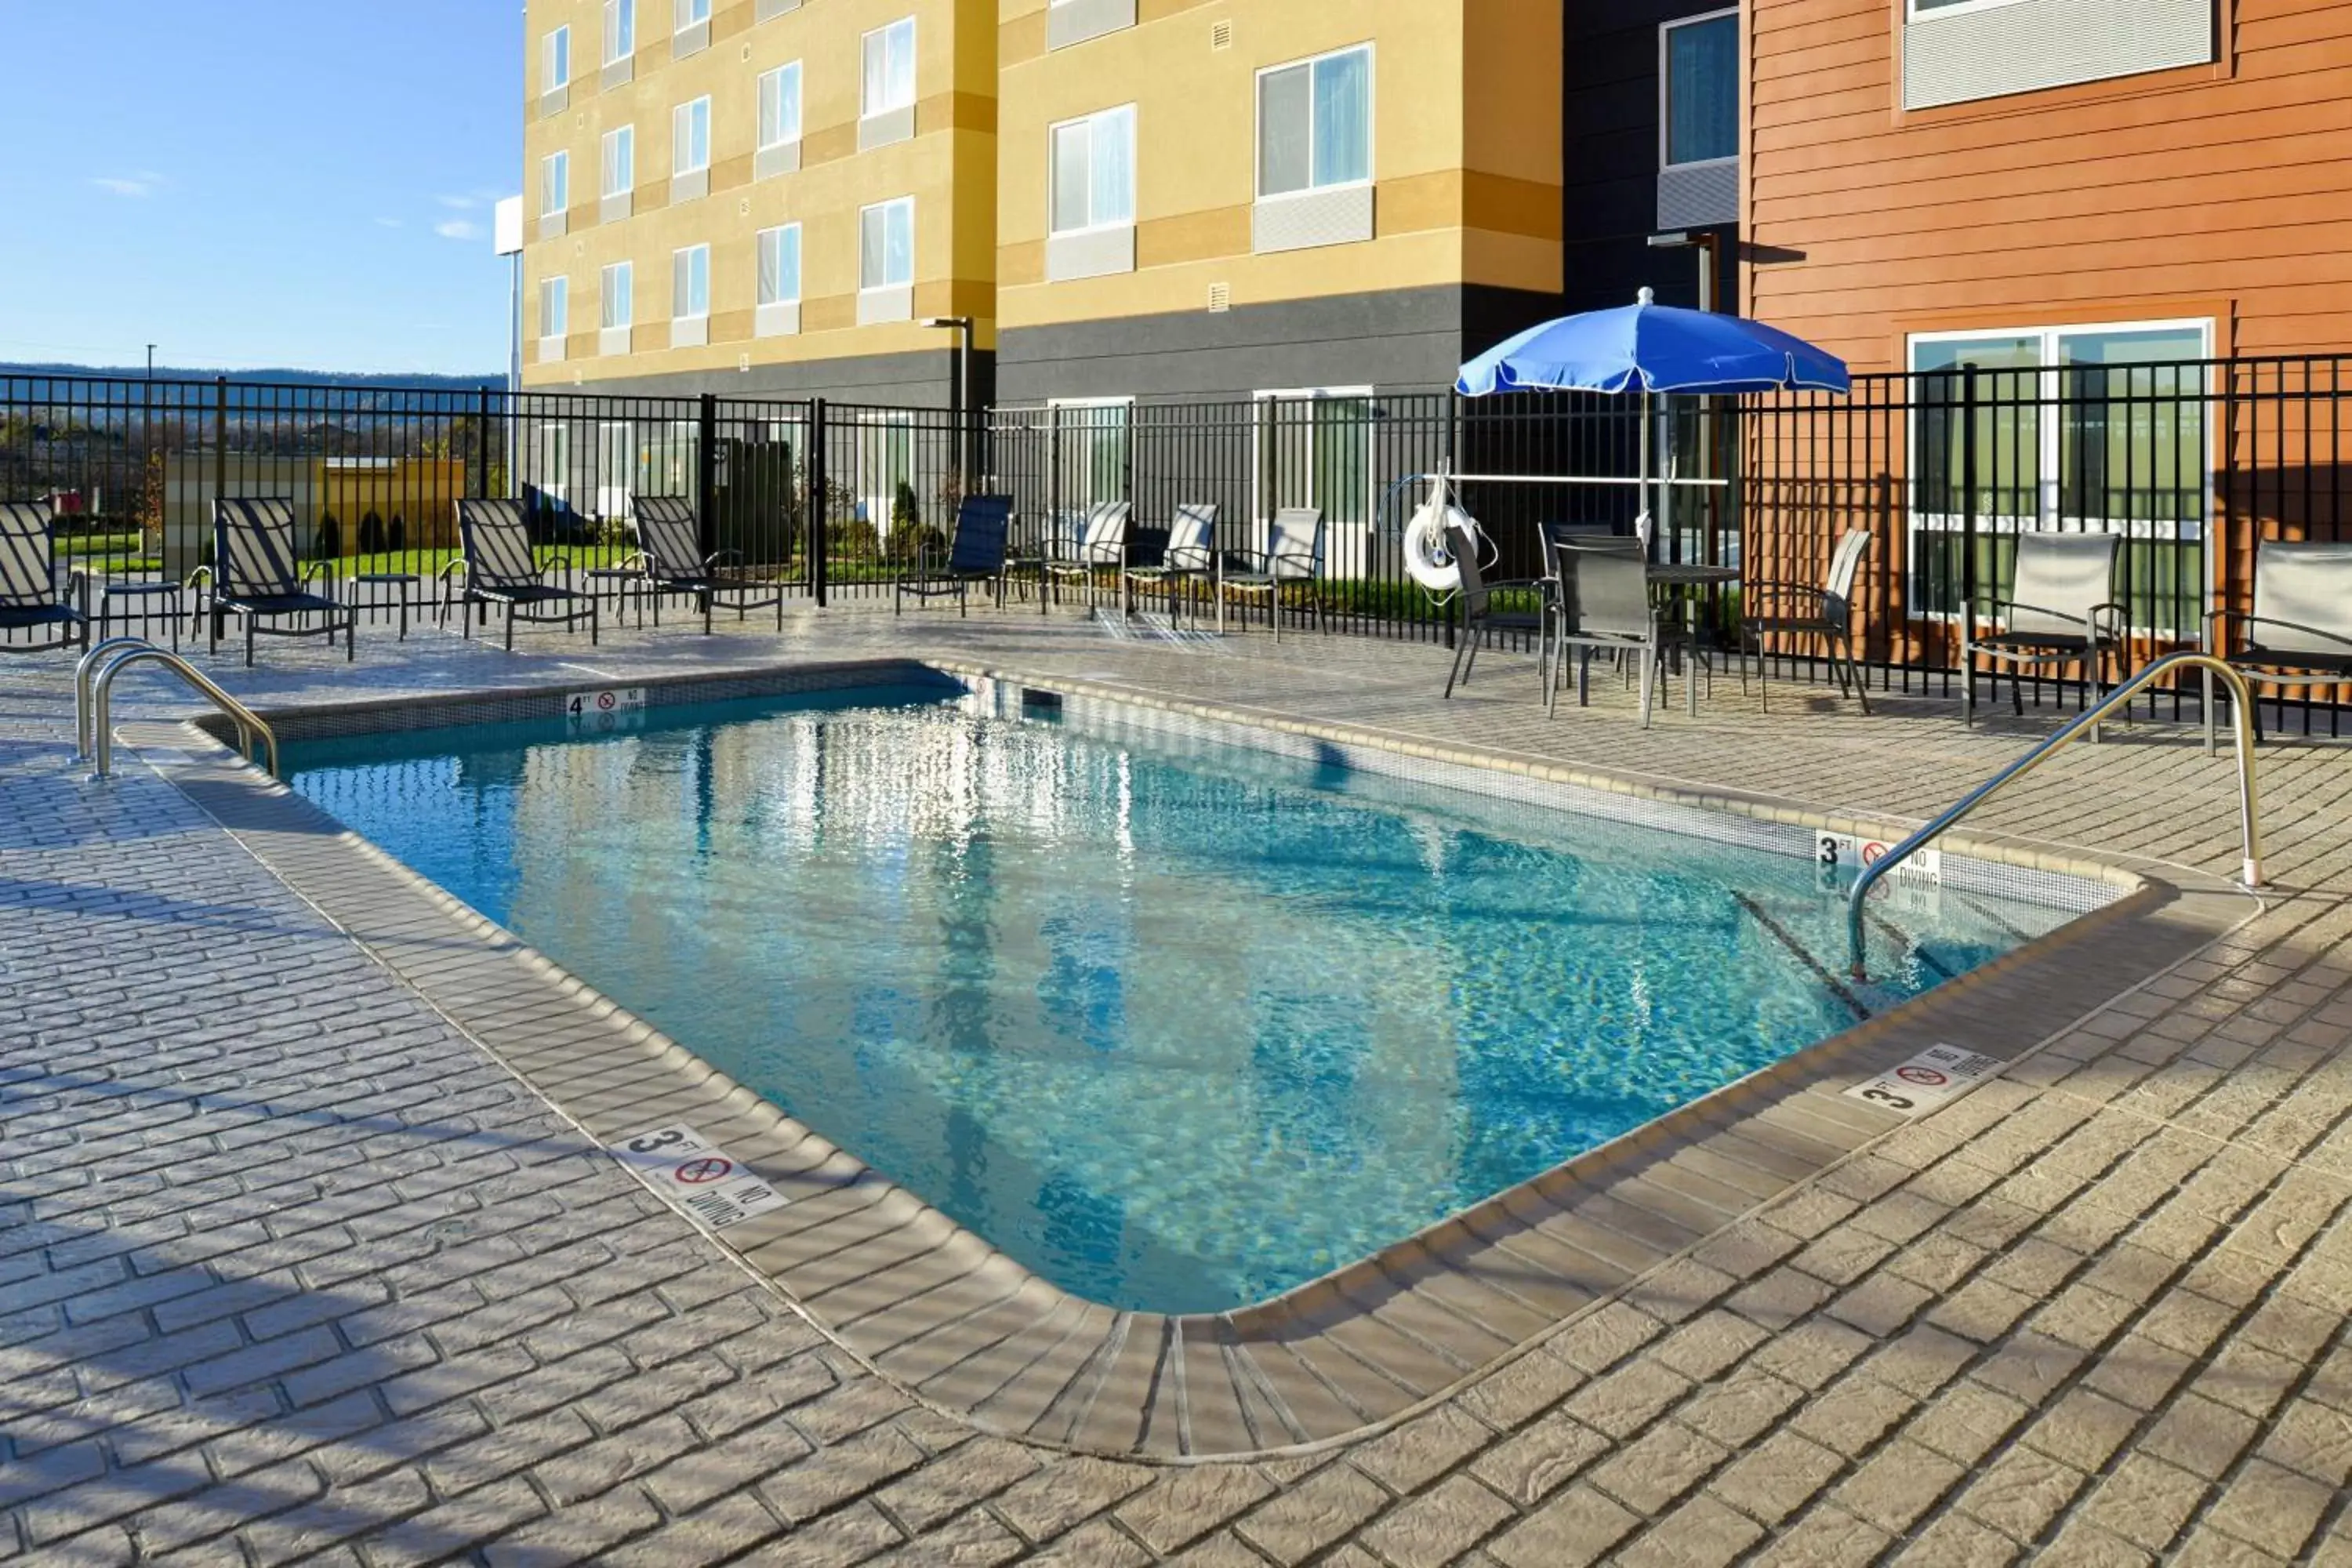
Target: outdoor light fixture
1708	244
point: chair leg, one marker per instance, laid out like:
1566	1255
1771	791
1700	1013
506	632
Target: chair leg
1861	686
1968	683
1453	675
595	629
510	621
1649	657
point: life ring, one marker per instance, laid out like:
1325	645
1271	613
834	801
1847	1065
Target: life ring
1427	560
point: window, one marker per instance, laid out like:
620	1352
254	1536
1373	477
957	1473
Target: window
555	60
554	184
1698	86
1315	448
692	12
1092	435
1315	123
690	137
690	282
2098	428
889	68
780	264
620	30
617	305
885	256
1094	171
554	307
620	159
779	106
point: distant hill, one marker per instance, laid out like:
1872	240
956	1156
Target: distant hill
277	377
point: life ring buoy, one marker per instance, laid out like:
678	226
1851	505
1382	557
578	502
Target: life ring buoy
1427	559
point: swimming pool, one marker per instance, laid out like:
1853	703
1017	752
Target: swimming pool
1179	1027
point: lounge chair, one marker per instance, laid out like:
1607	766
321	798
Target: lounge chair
2299	632
1769	608
1481	620
29	594
2062	611
1292	556
500	569
1097	544
977	554
1605	605
1189	556
258	572
670	560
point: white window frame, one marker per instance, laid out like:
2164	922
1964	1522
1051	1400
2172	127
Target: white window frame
555	184
2049	437
690	13
555	59
760	259
1372	125
553	453
690	256
1052	170
626	272
619	136
1913	10
556	287
1666	62
864	285
617	12
1088	431
681	121
1258	457
866	111
799	104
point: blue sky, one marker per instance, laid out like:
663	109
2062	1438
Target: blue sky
246	183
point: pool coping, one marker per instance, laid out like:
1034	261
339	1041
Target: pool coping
934	1308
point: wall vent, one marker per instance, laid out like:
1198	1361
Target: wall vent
1221	34
743	363
1220	298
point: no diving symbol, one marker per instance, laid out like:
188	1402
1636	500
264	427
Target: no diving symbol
694	1172
604	700
1926	1077
1872	852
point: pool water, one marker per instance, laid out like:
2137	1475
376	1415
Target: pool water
1177	1029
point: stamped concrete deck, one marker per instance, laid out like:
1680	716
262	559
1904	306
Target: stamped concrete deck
293	1266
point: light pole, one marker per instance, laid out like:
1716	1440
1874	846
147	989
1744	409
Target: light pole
963	325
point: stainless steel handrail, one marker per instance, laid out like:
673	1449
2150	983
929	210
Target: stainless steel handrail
85	672
248	723
2249	822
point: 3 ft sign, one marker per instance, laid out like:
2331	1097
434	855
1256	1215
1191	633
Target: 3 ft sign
1925	1081
1844	854
605	711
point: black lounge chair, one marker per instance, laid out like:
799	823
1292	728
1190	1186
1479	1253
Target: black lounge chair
2299	632
669	542
1602	600
1481	620
2062	611
29	594
258	572
500	569
978	554
1825	610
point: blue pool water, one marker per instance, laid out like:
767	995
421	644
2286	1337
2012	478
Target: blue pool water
1178	1031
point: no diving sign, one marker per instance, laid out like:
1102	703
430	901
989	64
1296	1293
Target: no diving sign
695	1173
1925	1081
1843	852
605	711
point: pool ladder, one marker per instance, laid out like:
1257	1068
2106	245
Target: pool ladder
2241	709
94	700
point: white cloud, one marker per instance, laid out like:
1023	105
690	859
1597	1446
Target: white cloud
135	186
457	228
389	223
459	204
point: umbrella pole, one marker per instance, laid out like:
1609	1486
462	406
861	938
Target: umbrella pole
1641	523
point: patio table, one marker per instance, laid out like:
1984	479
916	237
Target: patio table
141	602
403	585
1679	581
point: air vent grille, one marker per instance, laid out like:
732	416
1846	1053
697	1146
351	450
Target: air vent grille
1220	298
1221	34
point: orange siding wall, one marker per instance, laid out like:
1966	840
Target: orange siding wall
2221	191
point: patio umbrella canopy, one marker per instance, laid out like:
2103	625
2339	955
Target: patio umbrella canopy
1645	347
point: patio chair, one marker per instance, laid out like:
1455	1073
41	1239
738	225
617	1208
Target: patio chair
256	573
1098	543
1604	606
978	554
1771	607
1481	620
1189	556
670	560
2299	632
2062	611
1292	556
500	569
29	594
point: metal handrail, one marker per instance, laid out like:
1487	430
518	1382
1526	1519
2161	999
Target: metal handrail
2249	823
85	672
248	723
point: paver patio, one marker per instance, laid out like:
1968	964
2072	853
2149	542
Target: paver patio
292	1267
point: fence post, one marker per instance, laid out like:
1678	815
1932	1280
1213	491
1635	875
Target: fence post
815	467
482	439
1968	515
706	473
1453	461
220	460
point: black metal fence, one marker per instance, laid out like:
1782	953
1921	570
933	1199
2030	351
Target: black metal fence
2193	462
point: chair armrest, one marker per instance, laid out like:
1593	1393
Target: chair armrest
2088	623
450	568
77	589
201	574
1295	558
717	558
321	569
1764	590
2111	621
2250	619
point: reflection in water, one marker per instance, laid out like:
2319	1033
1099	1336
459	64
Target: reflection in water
1178	1032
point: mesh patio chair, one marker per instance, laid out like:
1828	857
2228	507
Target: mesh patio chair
670	560
1481	618
1775	608
977	554
2299	632
1189	556
500	569
1293	557
30	597
1097	544
1603	606
258	572
2062	611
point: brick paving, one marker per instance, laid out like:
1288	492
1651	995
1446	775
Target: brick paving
292	1269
